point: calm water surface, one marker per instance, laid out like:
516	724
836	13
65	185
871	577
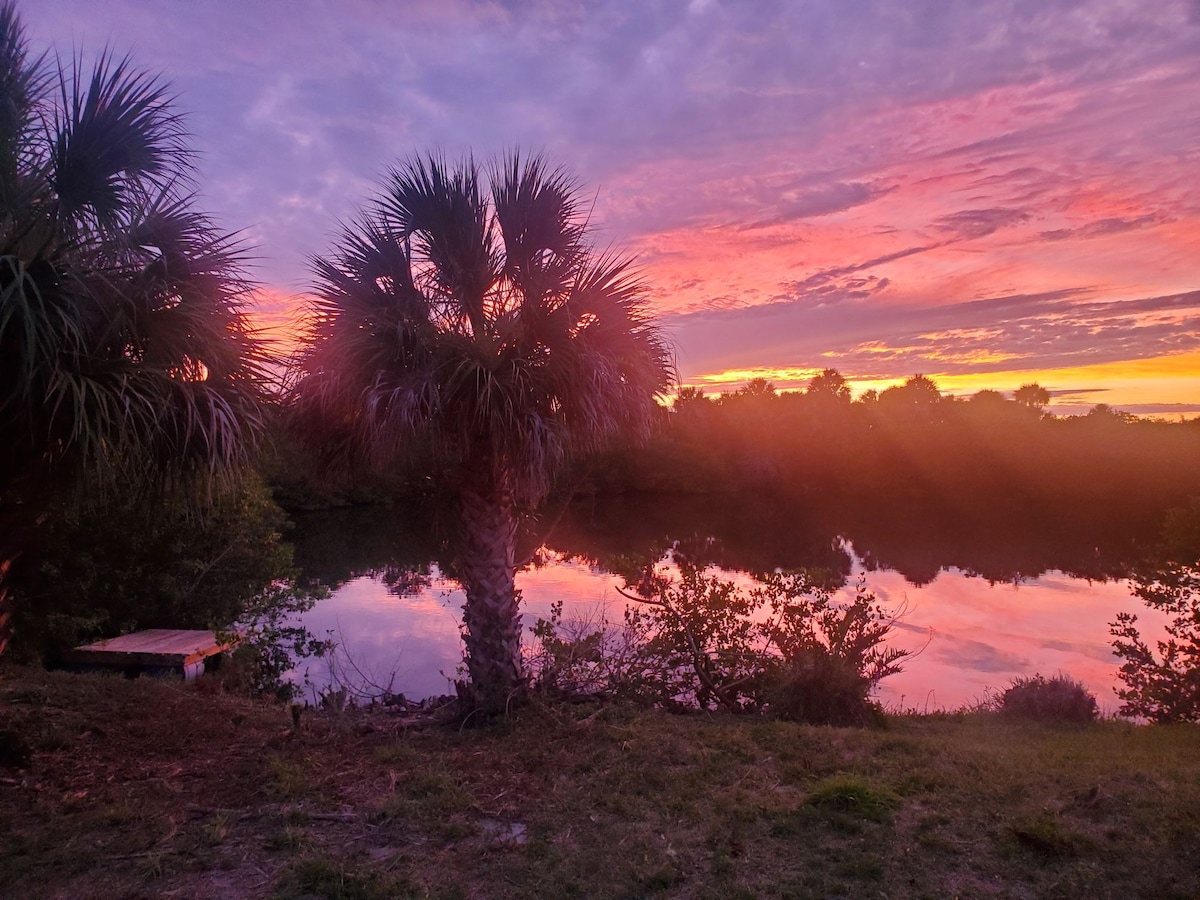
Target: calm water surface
973	627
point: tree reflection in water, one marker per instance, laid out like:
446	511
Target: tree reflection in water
394	599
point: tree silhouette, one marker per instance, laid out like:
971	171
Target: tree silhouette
830	384
757	387
1032	395
464	326
125	359
917	401
688	396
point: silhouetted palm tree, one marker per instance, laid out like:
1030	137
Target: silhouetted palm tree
465	324
830	386
124	355
1032	395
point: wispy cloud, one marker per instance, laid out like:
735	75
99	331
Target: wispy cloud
821	201
977	223
806	179
1102	227
1055	329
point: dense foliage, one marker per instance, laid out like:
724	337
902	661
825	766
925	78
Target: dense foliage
126	362
911	444
106	571
123	346
1060	698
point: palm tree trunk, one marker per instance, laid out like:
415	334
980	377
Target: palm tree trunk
492	614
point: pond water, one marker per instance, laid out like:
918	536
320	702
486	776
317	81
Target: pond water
983	602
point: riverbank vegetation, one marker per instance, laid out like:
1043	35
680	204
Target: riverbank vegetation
909	443
694	641
156	788
129	375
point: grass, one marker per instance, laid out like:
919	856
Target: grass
155	788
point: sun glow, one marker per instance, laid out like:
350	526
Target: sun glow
277	318
1158	381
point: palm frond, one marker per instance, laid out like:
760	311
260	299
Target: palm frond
117	139
432	339
538	213
443	211
23	80
125	353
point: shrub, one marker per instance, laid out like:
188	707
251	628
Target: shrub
784	646
821	689
129	565
123	567
1163	684
1057	699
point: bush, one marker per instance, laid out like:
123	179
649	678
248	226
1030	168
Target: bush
1163	684
1057	699
821	689
783	647
113	569
125	566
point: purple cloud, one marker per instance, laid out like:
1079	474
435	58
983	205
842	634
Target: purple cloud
1055	329
822	201
920	124
1102	227
977	223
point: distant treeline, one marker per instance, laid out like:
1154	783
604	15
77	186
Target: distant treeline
759	479
908	442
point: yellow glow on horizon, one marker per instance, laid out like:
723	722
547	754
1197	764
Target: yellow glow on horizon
1163	379
779	375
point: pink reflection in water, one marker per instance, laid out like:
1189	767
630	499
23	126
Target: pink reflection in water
971	637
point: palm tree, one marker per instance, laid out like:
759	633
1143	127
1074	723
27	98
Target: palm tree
125	359
1032	395
830	386
465	325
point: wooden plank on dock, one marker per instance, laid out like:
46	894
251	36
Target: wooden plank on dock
156	647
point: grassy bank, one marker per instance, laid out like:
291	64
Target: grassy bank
114	788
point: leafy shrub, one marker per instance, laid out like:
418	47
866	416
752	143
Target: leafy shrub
592	655
1163	684
121	567
1057	699
821	689
832	656
783	646
125	566
271	642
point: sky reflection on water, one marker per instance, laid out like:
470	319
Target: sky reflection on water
971	637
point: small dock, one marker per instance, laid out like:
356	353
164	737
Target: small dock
157	651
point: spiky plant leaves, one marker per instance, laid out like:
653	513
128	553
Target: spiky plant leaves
116	139
126	361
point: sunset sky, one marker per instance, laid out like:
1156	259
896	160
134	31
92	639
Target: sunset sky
988	193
